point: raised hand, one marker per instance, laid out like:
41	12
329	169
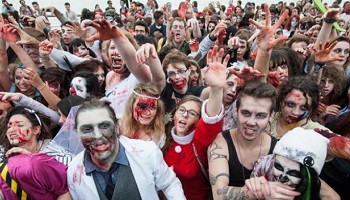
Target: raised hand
105	31
323	54
54	37
215	73
332	13
78	30
266	37
144	52
32	77
194	45
45	48
25	37
183	7
41	22
247	73
7	32
233	43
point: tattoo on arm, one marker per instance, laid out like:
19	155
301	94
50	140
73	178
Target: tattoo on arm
213	179
231	193
214	155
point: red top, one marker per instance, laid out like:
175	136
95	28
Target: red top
185	164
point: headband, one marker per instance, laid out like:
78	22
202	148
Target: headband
31	111
145	96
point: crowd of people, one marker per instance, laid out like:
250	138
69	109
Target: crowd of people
154	102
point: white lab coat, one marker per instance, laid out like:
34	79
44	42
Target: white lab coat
150	171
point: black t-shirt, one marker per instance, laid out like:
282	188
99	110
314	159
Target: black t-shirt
170	97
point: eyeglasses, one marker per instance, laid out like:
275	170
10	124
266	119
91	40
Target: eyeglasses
179	72
191	113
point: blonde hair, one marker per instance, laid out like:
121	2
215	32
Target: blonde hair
130	125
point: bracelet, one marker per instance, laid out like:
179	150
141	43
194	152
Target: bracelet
42	87
329	20
44	59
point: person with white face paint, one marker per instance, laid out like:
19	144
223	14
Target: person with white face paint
294	162
113	166
232	154
292	24
84	84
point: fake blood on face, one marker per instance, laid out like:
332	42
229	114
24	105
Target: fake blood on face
177	85
144	106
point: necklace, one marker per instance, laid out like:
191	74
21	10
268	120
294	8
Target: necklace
240	157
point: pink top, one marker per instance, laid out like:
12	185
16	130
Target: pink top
40	175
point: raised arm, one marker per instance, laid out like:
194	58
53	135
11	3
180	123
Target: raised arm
33	78
266	40
127	51
147	53
5	81
215	77
332	15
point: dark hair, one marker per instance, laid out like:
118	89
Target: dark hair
67	4
259	90
35	3
140	5
77	42
67	103
92	65
67	23
288	56
298	38
57	75
309	183
92	86
31	116
142	39
175	58
157	14
306	86
142	23
96	104
338	78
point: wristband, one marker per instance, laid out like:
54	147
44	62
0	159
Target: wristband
44	59
42	87
329	20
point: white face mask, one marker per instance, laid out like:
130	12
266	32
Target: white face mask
294	22
109	18
78	87
287	171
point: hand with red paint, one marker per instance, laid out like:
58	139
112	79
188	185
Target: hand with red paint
321	108
247	73
16	151
218	28
274	79
145	52
266	37
194	45
7	32
215	73
45	48
221	37
323	54
25	37
105	30
183	7
339	146
9	96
